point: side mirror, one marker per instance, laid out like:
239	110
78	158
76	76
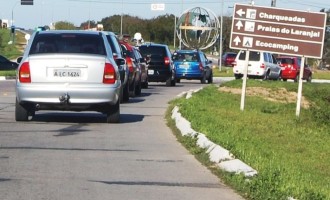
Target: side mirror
120	61
19	59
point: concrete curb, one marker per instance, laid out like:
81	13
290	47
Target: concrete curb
217	154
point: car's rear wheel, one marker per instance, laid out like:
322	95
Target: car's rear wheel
266	76
21	112
145	85
138	89
238	76
178	80
284	79
113	114
126	93
132	88
168	81
203	80
309	78
173	82
210	79
297	78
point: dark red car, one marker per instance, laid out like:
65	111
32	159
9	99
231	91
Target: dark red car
134	67
228	58
291	68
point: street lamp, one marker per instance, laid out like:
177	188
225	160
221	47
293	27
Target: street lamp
12	24
221	35
121	18
12	13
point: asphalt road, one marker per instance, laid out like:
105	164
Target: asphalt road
77	156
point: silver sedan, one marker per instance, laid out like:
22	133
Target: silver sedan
68	70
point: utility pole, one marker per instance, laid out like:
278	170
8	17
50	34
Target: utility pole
273	3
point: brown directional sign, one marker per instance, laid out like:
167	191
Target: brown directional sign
278	30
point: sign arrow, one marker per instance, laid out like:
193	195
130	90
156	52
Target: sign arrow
237	40
240	12
239	24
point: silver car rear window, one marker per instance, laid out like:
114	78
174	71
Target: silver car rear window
68	43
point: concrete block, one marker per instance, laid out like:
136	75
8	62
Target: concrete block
218	154
237	166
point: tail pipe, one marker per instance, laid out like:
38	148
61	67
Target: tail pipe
64	98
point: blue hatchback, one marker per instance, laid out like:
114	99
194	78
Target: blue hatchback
192	65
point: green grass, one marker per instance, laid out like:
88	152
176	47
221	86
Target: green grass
224	72
321	74
291	154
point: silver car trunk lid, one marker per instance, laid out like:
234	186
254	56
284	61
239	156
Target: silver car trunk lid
67	68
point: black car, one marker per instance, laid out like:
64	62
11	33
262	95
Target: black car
6	64
160	64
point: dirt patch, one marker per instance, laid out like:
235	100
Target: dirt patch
280	95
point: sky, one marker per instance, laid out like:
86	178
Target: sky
44	12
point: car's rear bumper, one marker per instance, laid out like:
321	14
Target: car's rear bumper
289	74
188	75
72	94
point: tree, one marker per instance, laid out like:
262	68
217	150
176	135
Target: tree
88	24
64	25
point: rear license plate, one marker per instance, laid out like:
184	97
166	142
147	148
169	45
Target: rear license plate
151	72
67	73
184	66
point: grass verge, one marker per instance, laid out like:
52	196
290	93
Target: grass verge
290	154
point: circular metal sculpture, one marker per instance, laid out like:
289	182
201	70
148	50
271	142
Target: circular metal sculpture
198	28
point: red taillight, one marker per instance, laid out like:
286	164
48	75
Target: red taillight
109	76
129	64
24	73
262	66
167	60
201	68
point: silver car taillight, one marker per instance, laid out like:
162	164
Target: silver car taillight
109	76
24	73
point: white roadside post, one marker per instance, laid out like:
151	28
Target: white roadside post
300	86
246	65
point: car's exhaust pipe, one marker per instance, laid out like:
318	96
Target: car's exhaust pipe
65	98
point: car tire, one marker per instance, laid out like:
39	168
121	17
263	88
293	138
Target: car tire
210	79
309	79
126	93
296	79
266	76
238	76
138	89
284	79
173	82
113	114
132	89
145	85
168	81
203	80
178	80
21	113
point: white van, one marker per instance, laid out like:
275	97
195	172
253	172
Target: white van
261	65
